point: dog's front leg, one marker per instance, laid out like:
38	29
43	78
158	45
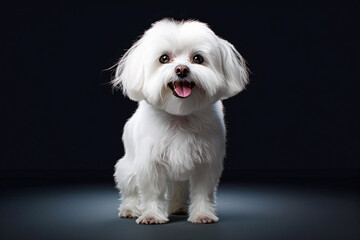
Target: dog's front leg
203	186
151	180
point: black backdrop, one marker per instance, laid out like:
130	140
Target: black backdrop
298	117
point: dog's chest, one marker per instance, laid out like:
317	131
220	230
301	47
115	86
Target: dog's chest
183	144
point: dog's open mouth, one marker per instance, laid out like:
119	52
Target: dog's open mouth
181	89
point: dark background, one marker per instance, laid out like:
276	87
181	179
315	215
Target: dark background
297	118
292	169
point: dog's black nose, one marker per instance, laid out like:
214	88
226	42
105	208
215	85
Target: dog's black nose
182	71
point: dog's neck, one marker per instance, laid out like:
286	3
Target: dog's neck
208	110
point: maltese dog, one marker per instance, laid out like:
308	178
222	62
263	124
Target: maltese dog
178	72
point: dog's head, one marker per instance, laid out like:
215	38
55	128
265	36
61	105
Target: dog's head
181	67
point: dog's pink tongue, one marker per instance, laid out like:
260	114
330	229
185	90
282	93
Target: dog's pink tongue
183	89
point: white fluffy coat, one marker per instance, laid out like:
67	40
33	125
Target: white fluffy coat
174	147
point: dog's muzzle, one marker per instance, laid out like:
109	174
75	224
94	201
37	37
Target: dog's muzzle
181	88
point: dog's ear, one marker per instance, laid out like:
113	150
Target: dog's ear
129	75
234	69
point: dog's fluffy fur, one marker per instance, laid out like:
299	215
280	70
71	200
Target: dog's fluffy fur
174	147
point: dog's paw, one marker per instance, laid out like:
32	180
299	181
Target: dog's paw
151	220
180	211
203	219
129	213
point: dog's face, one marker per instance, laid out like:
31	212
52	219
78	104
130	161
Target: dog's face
181	67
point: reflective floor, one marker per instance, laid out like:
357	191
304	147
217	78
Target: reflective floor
246	211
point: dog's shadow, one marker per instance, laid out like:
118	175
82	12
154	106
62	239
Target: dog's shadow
178	218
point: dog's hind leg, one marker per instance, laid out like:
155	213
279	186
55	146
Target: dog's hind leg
126	183
179	197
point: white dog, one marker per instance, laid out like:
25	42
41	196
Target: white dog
175	141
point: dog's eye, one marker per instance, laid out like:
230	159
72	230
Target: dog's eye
198	59
164	58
